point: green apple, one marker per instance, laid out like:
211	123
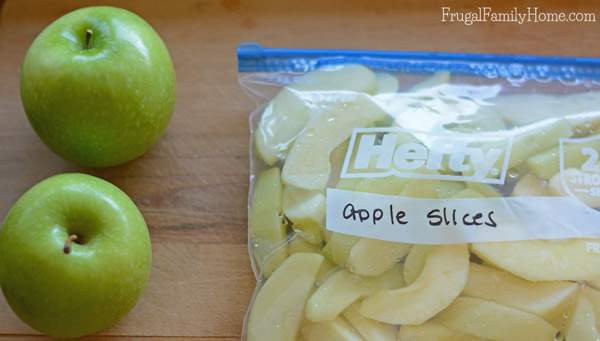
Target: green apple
98	86
75	255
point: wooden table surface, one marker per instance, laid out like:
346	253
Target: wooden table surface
192	186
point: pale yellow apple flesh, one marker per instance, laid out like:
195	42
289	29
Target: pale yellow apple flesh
370	330
348	77
343	288
545	299
530	185
308	163
441	281
489	320
306	210
547	163
371	257
415	262
336	330
543	260
582	322
339	247
432	331
555	186
386	83
267	231
278	308
287	114
438	78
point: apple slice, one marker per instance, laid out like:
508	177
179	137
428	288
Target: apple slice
280	123
372	257
415	262
421	189
336	330
287	114
489	320
370	330
441	281
339	247
448	189
547	163
267	231
525	109
390	185
545	299
530	185
582	322
479	317
340	290
485	190
543	260
343	288
555	186
432	331
386	83
348	77
278	309
438	78
307	165
593	297
306	210
297	244
594	283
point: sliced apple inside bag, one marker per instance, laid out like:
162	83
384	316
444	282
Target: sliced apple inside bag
372	257
386	83
432	331
489	320
415	262
370	330
438	78
441	281
280	123
525	109
286	115
278	309
593	297
348	77
343	288
339	246
308	163
297	244
390	185
267	231
530	185
336	330
545	299
531	140
582	322
594	283
543	260
575	176
306	210
547	163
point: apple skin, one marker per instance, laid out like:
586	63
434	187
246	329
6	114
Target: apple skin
89	289
104	105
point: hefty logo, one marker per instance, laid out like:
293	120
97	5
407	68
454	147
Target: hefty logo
380	152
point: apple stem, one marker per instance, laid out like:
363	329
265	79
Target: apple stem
88	38
70	240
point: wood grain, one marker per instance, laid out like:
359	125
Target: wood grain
192	185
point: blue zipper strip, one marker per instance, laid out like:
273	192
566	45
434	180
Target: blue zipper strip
252	57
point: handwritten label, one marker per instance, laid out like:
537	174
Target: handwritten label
443	221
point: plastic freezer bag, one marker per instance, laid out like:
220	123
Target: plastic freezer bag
423	196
